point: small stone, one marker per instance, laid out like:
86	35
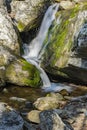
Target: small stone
64	92
33	116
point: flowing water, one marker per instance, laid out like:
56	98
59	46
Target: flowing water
36	44
16	96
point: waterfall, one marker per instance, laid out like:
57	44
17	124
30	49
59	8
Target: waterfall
36	44
44	77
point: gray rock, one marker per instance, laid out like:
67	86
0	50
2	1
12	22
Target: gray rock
8	36
67	4
28	12
16	70
11	121
50	120
62	54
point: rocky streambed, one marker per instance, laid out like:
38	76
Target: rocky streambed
25	105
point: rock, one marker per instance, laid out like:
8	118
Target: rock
58	96
22	73
63	56
8	36
16	70
18	99
28	13
30	126
1	3
33	116
75	113
2	77
3	107
64	92
28	105
46	103
49	102
5	58
50	120
79	1
67	4
9	118
11	121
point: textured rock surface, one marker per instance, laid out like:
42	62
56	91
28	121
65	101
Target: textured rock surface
9	119
28	12
21	73
8	36
49	102
33	116
63	55
14	69
67	4
49	120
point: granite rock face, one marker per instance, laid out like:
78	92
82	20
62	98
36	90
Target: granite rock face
8	35
28	13
65	45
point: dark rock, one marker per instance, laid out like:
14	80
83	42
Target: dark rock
50	120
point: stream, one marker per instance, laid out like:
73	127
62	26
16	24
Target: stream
16	96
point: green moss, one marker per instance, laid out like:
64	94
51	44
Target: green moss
20	26
34	75
59	40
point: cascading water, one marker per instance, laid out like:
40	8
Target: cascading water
36	45
32	51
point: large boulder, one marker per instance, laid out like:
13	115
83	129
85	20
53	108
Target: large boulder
9	118
16	70
8	35
28	13
65	53
22	73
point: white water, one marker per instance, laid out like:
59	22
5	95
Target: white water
36	45
32	52
44	77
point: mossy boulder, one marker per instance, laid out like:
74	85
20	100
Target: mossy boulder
66	44
28	13
14	69
22	73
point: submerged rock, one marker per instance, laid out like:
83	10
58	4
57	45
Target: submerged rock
28	13
65	48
